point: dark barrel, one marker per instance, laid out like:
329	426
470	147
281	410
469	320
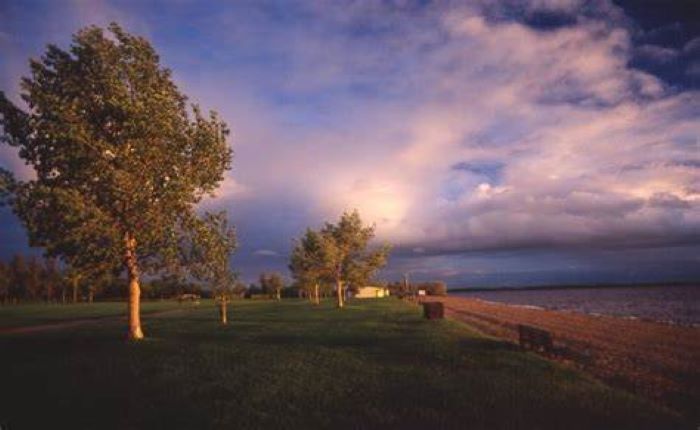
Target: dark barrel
433	310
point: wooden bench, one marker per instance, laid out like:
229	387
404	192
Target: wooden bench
535	338
433	310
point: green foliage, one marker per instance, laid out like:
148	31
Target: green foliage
4	283
239	289
308	261
271	284
432	288
346	249
7	185
208	255
120	159
338	253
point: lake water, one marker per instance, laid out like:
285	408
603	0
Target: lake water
672	304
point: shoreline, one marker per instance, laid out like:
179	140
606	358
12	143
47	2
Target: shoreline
695	284
591	314
651	359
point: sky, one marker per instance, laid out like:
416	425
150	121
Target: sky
501	142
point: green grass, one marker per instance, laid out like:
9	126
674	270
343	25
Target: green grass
39	313
374	364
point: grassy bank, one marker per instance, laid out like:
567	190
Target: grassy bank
375	364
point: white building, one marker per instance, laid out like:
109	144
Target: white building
370	292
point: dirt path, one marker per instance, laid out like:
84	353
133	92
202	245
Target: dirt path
657	361
79	322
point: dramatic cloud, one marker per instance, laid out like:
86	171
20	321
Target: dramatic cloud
481	139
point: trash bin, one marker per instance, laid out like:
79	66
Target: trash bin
433	310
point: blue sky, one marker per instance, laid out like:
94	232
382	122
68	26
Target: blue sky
491	142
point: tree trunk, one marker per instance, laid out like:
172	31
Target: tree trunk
91	296
76	280
317	298
135	332
278	296
223	310
63	295
341	299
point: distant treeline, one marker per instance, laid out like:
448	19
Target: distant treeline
26	279
431	288
31	279
36	279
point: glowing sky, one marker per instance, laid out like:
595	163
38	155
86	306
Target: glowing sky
492	142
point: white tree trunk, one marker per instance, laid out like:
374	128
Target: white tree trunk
341	298
223	310
135	332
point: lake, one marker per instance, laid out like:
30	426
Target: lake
671	304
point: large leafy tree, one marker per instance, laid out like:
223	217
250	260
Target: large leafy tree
339	253
348	257
121	159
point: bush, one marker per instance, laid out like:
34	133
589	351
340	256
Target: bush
437	288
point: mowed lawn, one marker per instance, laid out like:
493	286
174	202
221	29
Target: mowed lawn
374	364
35	314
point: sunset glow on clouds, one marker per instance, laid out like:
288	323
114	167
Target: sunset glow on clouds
487	146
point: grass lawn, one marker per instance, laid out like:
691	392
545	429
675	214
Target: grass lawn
39	313
374	364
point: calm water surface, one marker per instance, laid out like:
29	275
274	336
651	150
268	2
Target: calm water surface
674	304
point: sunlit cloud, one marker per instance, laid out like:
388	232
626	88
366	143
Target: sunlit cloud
452	128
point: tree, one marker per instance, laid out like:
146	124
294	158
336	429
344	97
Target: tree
209	258
272	284
347	257
17	274
339	252
33	278
4	283
435	288
239	289
308	263
73	277
120	159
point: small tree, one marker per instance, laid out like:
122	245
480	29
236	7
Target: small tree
239	289
33	278
120	160
4	283
209	259
308	263
73	278
272	284
18	275
436	288
51	278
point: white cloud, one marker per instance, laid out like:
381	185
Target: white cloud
369	106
